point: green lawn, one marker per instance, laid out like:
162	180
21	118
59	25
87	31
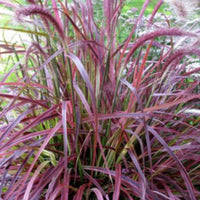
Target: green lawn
139	3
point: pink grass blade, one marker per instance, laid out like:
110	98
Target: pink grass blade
36	85
117	182
78	121
51	176
53	182
37	156
65	194
127	194
14	141
154	34
25	99
33	178
79	194
108	5
56	192
56	13
196	70
156	8
64	124
142	67
76	28
85	77
9	4
37	10
131	33
97	193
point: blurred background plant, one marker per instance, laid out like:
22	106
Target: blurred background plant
99	100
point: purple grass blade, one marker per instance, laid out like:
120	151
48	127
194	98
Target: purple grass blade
140	142
14	179
28	137
15	123
83	99
116	115
95	182
174	184
77	31
52	185
65	194
85	77
183	171
178	54
160	90
142	181
172	103
36	121
11	71
3	180
125	180
133	89
78	121
46	62
11	157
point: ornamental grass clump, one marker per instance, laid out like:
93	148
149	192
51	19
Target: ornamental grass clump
87	115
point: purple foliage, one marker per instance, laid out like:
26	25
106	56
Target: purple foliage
84	115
